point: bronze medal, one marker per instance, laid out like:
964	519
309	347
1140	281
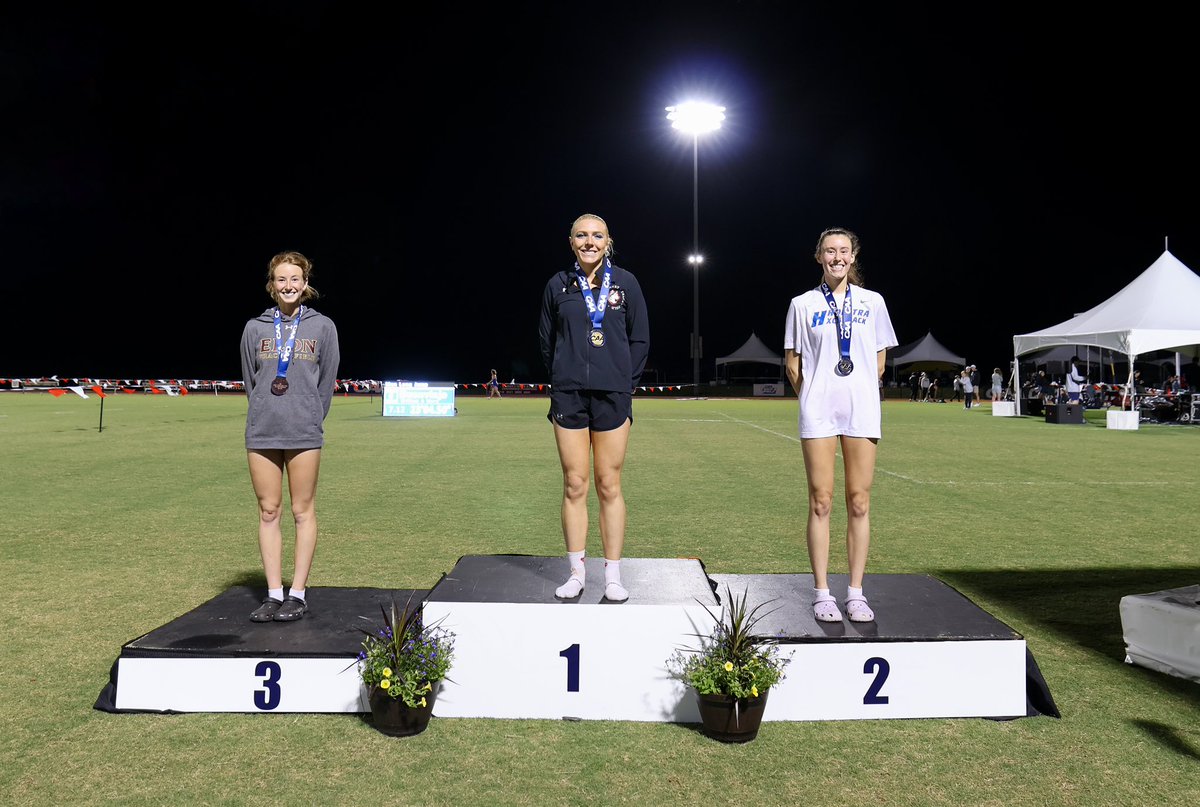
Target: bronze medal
279	385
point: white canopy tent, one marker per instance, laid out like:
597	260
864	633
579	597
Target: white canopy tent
753	351
923	354
1158	310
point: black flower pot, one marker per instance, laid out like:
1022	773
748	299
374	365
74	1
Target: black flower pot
730	719
394	718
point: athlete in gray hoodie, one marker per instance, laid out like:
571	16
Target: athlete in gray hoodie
289	367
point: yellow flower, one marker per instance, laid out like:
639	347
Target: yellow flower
384	684
422	701
753	691
428	687
729	666
387	672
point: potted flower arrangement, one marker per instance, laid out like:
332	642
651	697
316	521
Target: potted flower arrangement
732	670
402	666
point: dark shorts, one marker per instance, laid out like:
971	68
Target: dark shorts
597	410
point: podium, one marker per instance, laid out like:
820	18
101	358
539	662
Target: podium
522	653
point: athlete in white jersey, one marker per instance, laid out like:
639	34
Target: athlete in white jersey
835	340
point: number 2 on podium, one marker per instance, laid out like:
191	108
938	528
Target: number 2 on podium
881	668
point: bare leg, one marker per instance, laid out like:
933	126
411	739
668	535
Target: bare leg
609	458
819	456
266	476
573	449
858	456
302	469
608	450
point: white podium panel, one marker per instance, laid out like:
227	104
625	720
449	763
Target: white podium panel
1004	409
598	662
606	663
856	681
240	685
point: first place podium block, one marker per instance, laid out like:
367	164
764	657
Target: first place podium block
522	653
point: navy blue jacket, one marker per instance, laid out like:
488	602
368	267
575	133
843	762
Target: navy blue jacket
570	358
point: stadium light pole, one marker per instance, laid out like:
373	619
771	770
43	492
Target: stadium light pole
696	118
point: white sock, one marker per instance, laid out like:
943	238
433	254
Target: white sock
298	593
275	594
821	594
613	589
853	593
574	584
575	561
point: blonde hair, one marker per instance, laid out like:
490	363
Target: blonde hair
608	243
298	260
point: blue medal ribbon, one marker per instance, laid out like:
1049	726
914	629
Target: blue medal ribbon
595	310
285	353
845	322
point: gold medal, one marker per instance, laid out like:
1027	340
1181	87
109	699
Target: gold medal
596	336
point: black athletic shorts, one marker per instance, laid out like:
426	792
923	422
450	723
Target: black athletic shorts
597	410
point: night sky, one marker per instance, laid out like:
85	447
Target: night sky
1005	165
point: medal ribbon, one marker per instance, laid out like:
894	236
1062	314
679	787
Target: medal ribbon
595	310
285	354
845	321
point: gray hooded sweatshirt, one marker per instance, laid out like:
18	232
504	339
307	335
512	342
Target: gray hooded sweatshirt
296	418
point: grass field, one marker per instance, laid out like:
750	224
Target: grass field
107	535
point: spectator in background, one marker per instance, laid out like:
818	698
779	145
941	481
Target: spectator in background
924	387
914	386
1074	381
1045	386
493	386
997	385
968	388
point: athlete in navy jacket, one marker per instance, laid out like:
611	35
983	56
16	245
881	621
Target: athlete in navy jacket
595	338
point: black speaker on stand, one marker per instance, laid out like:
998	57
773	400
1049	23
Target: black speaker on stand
1064	413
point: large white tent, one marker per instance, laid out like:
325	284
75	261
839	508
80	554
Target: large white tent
924	354
1158	310
753	351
